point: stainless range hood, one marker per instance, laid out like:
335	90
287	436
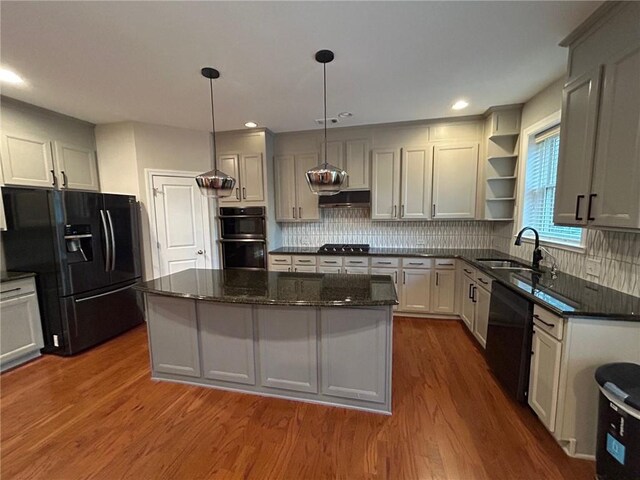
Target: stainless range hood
346	199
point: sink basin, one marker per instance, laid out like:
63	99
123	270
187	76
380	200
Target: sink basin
497	264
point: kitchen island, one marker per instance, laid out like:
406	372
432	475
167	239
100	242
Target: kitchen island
322	338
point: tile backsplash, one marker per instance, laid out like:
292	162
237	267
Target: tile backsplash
617	253
354	225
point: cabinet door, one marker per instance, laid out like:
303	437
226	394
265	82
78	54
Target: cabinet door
483	299
577	142
27	160
305	268
230	165
385	187
444	292
416	289
354	344
335	153
306	201
615	195
505	122
173	332
20	328
285	188
468	313
288	350
417	166
252	175
544	377
357	165
76	166
226	336
455	178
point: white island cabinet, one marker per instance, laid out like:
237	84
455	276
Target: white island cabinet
322	338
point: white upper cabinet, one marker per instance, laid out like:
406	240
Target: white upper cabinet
417	166
252	178
600	130
356	164
335	153
285	188
76	166
505	123
230	165
455	178
385	188
306	200
27	160
294	199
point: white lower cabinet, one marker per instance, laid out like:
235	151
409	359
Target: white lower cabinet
416	290
227	342
305	268
444	291
325	269
279	268
354	353
288	355
481	323
544	376
468	308
474	300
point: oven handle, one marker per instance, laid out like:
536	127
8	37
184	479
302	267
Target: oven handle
240	216
254	240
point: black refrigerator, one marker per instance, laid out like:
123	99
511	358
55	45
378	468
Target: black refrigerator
85	248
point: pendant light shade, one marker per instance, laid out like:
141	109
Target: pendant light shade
214	184
325	179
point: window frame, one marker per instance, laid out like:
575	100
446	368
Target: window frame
525	140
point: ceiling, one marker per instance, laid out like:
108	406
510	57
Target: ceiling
113	61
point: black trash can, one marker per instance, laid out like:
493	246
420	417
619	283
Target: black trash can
618	446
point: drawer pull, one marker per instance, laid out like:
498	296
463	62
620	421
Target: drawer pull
332	262
482	281
467	271
304	261
416	263
12	290
384	263
550	325
351	262
279	260
446	264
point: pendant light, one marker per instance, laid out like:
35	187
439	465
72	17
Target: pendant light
325	179
214	184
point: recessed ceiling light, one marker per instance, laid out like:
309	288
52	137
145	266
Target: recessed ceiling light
10	77
460	104
251	124
345	114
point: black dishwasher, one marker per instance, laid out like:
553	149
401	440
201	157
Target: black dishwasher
509	334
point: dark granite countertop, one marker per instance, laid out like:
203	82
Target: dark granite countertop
276	288
564	295
10	276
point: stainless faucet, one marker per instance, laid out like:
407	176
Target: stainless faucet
537	253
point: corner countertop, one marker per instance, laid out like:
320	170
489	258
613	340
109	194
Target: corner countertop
11	276
276	288
565	295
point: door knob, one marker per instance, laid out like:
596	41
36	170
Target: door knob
200	252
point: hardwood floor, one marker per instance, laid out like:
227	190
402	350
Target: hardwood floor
99	416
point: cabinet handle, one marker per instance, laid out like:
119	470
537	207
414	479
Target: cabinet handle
482	281
237	194
289	269
55	179
395	274
415	263
467	271
294	212
244	193
299	212
384	263
578	198
437	278
470	288
65	184
473	296
591	197
402	211
550	325
394	211
433	210
404	278
11	290
328	262
304	261
445	264
279	260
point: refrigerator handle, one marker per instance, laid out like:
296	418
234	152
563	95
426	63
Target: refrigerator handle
107	260
113	242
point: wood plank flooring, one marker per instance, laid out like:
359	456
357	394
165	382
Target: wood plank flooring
99	416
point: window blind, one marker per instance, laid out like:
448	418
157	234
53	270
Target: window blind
540	189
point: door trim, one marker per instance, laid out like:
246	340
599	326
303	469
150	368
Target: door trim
211	257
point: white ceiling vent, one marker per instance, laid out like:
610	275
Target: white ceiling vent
331	121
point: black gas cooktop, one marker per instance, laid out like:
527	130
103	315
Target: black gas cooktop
344	248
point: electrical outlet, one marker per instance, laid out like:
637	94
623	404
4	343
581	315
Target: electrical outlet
592	267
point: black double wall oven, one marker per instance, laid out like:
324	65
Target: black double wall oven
243	238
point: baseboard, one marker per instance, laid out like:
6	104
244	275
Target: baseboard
433	316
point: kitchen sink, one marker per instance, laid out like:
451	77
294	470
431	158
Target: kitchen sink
498	264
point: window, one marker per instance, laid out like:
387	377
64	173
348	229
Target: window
540	189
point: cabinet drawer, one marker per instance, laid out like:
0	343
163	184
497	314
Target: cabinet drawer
303	260
356	262
356	270
280	259
484	281
16	288
417	262
385	262
330	261
445	263
468	270
547	321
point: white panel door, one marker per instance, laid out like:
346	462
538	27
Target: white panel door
482	299
416	290
306	201
252	175
227	340
444	292
417	165
455	179
577	143
285	188
544	377
180	224
385	184
354	342
20	327
230	164
76	166
615	195
468	306
288	348
27	160
357	165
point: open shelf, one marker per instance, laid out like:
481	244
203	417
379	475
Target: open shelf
512	177
496	157
505	199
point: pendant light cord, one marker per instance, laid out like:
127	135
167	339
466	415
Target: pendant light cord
213	126
324	76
